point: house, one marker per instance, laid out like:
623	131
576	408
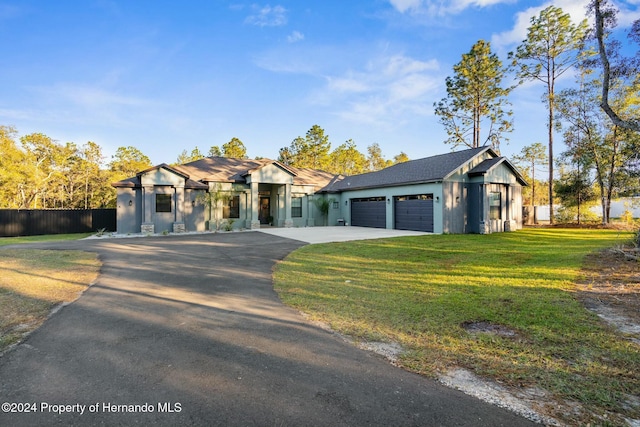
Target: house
250	192
469	191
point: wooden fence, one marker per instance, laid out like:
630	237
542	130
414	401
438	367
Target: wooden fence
31	222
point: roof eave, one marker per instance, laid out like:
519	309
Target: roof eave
486	149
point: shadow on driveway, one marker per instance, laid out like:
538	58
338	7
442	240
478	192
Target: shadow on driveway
189	329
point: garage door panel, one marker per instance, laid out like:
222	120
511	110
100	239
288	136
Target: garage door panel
368	213
414	214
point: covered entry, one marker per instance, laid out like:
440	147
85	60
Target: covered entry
369	212
414	212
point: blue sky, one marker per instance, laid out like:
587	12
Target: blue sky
165	76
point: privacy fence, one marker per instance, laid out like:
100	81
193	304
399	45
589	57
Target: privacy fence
31	222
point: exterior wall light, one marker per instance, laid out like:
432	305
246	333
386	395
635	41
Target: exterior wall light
437	199
130	202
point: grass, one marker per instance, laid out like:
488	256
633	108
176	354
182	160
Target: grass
420	292
33	282
44	238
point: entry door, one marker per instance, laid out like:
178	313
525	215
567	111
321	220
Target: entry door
265	210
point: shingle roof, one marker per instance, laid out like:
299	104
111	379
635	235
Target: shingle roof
224	169
489	164
428	169
134	182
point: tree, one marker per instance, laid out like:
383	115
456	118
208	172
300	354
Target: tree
346	160
375	159
475	95
186	157
594	141
234	149
551	48
127	162
215	151
605	20
312	151
574	189
531	156
44	157
400	158
13	169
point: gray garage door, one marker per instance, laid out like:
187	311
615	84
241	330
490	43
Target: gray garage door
414	212
369	212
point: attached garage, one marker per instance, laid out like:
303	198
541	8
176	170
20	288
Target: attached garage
369	212
414	212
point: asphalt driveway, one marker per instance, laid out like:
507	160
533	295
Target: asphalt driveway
187	330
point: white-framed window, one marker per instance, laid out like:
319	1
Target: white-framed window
495	205
296	207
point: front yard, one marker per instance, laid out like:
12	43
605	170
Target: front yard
503	306
33	282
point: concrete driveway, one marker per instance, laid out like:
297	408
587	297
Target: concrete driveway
187	330
337	234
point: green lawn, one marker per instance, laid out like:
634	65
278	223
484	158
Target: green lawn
45	238
420	291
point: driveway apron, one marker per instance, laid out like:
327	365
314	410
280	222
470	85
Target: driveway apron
187	330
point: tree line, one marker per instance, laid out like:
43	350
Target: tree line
37	172
598	116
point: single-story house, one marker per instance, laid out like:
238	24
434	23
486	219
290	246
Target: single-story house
469	191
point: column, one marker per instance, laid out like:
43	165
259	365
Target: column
178	197
255	206
148	227
288	222
310	220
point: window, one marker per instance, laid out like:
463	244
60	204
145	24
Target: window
296	207
232	209
163	202
495	206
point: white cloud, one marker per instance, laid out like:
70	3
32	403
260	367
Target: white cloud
294	37
577	9
383	91
403	5
440	8
267	16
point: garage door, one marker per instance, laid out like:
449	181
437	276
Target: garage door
369	212
414	212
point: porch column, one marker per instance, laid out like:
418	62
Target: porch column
288	222
310	220
178	225
147	205
255	206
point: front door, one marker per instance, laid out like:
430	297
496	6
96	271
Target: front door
265	210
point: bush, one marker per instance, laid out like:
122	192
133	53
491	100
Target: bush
569	214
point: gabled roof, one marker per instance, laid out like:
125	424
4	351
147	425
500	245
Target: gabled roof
135	182
224	169
489	164
164	166
429	169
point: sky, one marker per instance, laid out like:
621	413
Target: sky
166	76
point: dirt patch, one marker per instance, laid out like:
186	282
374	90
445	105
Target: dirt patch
611	289
488	328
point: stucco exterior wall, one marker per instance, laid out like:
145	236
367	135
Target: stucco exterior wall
344	211
128	220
